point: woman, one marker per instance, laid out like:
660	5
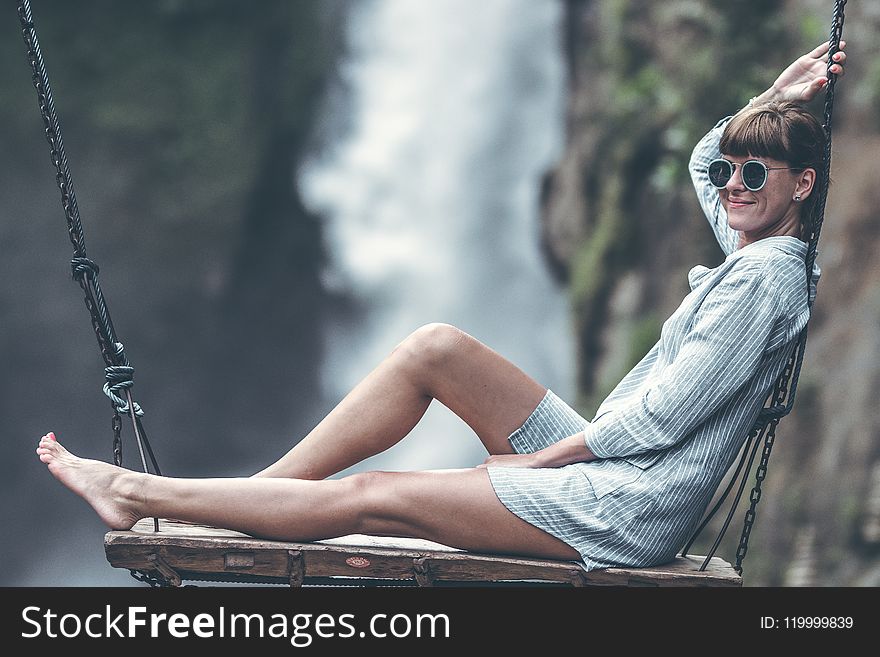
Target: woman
623	489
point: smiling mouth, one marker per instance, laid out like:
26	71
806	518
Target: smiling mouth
738	203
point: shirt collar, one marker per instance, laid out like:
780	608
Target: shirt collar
785	243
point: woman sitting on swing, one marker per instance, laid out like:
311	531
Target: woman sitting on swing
627	487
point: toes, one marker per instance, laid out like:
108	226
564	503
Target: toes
48	446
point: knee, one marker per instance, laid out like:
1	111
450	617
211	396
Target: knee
431	346
375	502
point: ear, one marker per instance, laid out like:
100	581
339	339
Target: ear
806	181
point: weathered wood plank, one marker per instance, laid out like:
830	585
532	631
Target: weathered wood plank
192	549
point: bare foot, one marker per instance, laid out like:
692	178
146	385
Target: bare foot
110	490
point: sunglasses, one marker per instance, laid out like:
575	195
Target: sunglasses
754	173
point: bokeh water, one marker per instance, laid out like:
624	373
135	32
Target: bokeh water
451	111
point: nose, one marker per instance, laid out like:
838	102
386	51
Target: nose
735	183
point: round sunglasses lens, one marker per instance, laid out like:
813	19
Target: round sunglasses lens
719	173
754	175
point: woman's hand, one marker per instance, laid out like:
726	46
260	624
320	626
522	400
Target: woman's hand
512	461
806	76
565	452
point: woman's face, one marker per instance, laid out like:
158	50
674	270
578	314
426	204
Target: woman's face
771	210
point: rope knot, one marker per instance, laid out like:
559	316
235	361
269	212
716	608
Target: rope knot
120	378
119	348
80	266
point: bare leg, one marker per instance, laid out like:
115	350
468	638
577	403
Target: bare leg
454	507
438	362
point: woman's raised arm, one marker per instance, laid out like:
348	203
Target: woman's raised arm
806	76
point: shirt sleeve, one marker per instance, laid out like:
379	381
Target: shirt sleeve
721	352
704	152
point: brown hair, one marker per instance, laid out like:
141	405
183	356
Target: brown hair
781	131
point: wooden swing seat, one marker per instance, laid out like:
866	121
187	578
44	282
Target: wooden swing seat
181	552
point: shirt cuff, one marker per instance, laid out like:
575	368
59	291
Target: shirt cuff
592	437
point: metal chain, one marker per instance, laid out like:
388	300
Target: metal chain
117	438
779	396
755	497
155	581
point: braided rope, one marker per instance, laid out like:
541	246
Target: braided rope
118	372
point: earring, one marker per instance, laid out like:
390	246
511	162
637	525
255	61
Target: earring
797	197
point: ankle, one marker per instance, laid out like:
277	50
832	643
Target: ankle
130	489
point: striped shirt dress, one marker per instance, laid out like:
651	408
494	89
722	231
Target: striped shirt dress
670	430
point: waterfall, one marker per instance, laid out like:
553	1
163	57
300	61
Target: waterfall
429	174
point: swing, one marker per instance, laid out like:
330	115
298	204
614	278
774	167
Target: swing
176	551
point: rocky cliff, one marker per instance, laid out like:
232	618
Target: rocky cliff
622	227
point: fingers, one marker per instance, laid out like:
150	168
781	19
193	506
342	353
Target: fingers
821	51
814	88
838	59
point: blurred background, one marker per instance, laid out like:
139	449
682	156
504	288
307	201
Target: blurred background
278	196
